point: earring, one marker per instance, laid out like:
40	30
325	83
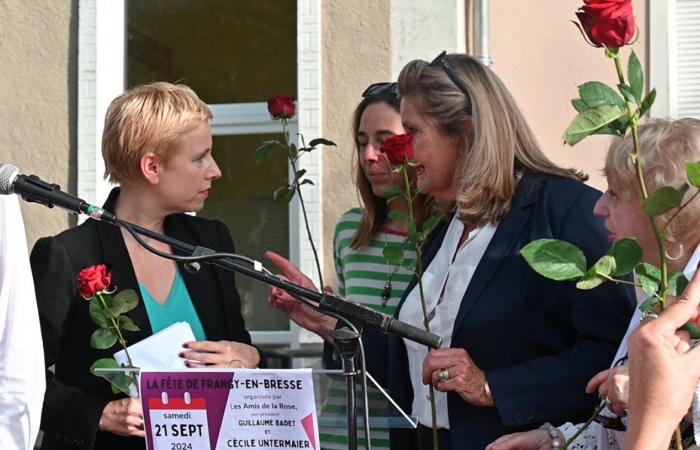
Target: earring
677	257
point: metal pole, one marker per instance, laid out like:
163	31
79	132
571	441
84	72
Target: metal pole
347	341
481	32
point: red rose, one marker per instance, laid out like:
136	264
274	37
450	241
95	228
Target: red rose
608	23
92	280
399	148
282	106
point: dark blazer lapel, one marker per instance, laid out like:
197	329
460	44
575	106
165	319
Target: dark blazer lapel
117	259
501	244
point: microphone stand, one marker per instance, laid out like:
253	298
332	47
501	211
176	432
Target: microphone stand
347	340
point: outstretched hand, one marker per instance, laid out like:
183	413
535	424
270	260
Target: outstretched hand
301	314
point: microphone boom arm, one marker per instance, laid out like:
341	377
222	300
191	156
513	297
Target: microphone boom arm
355	312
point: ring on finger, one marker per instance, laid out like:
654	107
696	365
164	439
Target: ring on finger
444	375
228	364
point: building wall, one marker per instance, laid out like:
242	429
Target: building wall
542	58
38	50
356	51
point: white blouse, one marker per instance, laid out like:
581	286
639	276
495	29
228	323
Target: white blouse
445	281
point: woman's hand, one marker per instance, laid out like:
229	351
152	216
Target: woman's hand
464	377
225	354
123	417
664	372
613	385
301	314
528	440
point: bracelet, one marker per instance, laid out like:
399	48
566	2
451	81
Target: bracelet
554	434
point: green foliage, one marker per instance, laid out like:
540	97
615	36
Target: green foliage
125	323
627	254
589	121
429	225
602	270
103	338
635	75
677	282
125	301
650	304
595	93
647	102
319	141
95	310
264	151
649	276
555	259
627	92
664	199
692	330
284	194
693	171
396	215
579	105
393	255
393	192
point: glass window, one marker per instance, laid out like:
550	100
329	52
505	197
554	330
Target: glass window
228	51
242	199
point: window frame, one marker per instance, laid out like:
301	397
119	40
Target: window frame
101	77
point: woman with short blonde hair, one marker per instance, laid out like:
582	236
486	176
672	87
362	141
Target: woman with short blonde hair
157	145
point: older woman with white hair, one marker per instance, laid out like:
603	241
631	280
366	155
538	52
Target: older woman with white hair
666	146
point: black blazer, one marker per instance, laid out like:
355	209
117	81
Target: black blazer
74	397
538	341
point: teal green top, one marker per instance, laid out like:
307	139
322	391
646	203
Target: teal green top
177	308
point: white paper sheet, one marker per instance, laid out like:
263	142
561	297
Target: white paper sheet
160	351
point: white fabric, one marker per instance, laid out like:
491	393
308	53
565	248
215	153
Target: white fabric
605	436
22	379
452	268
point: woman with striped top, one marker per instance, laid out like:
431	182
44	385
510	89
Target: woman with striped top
361	235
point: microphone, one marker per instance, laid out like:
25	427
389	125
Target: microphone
32	189
368	316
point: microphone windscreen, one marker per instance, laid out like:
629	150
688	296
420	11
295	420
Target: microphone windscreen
8	173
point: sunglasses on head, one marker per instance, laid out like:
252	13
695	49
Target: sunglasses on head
441	61
381	88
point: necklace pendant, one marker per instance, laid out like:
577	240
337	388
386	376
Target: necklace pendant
386	293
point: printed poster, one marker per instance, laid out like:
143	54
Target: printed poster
222	409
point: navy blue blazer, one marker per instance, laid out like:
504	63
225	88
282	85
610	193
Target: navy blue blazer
75	397
538	341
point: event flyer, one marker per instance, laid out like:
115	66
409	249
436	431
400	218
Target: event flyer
229	409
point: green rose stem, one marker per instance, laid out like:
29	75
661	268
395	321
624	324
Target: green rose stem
659	233
292	162
115	325
419	272
596	411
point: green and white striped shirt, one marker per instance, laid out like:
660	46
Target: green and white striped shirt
362	274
